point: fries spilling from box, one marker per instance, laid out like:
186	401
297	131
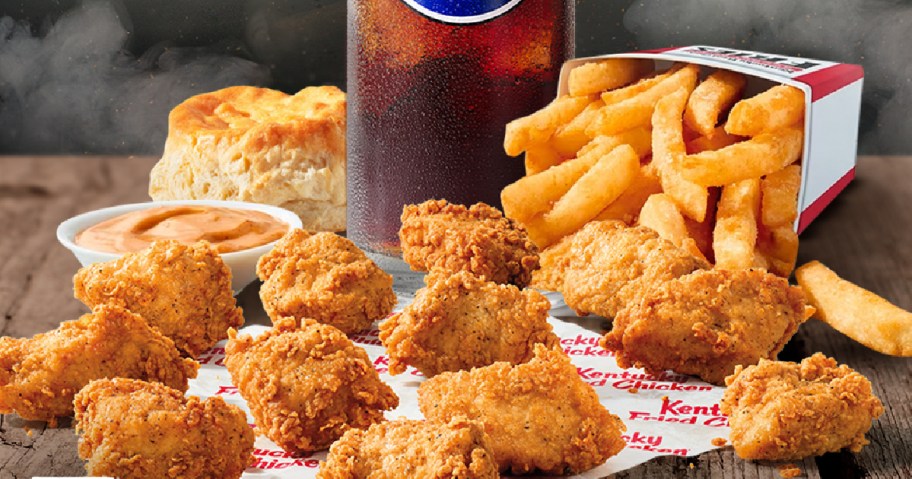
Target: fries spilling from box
727	153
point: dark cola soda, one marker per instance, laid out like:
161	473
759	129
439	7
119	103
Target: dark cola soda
431	85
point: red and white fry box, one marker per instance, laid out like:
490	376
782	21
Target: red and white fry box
833	95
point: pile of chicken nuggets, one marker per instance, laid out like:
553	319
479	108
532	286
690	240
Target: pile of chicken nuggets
500	395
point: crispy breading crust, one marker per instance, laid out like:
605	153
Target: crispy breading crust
451	237
540	415
40	375
404	448
324	277
555	261
462	321
613	266
305	387
135	429
780	410
184	291
708	322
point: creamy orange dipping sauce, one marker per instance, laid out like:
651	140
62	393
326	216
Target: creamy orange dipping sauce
227	229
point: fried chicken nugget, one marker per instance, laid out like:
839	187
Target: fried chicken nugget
463	321
305	387
458	449
40	375
613	265
540	415
135	429
437	234
708	322
324	277
184	291
555	261
780	410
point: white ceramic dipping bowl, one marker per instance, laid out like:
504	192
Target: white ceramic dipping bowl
242	263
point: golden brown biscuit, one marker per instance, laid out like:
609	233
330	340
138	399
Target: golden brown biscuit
259	145
135	429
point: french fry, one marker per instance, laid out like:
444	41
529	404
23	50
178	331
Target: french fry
661	215
539	158
761	155
856	312
620	94
569	138
538	127
779	197
640	139
735	233
627	207
717	140
780	247
710	98
609	74
668	150
702	231
773	109
600	186
637	111
533	195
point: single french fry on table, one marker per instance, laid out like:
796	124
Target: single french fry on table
717	93
856	312
773	109
608	74
761	155
595	190
538	127
637	110
779	197
735	233
668	149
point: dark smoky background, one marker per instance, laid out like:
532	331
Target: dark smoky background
100	76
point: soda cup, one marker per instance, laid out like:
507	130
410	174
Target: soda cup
431	85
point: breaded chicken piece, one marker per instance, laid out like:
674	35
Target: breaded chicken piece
555	261
463	321
458	449
613	265
540	415
305	387
478	239
780	410
708	322
136	429
324	277
40	375
184	291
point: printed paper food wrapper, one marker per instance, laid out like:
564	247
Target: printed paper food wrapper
665	414
832	105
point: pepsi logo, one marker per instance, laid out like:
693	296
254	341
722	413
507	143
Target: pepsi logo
462	11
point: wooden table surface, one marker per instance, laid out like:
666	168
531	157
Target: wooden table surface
864	236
